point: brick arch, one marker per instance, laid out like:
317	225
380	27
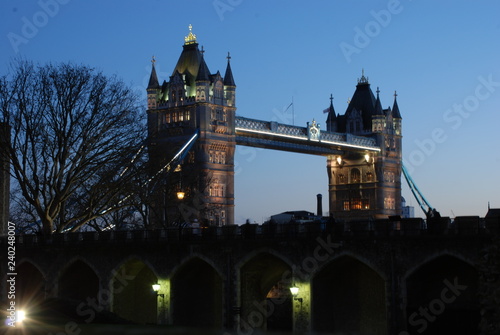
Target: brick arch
131	288
78	281
30	284
201	257
197	294
349	295
133	258
433	257
365	261
441	296
264	278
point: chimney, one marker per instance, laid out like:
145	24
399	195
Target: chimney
319	209
4	177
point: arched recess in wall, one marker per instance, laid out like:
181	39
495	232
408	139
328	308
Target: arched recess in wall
348	296
30	285
78	282
133	295
197	295
442	298
266	302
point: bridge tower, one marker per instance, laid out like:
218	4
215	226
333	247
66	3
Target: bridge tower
193	100
366	185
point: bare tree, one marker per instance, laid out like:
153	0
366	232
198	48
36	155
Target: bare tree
75	133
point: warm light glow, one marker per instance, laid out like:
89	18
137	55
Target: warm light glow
367	158
21	315
156	287
180	195
294	290
339	160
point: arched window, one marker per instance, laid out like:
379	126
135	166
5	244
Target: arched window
355	176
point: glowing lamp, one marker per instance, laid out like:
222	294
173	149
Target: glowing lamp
294	290
156	287
180	195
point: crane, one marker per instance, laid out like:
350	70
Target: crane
429	211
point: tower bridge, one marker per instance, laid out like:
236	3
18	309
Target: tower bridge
362	271
362	147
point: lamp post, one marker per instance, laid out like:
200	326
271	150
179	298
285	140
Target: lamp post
295	292
156	289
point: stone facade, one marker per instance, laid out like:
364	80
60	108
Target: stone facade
366	185
193	100
356	281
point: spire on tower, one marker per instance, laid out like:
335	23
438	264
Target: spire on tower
203	71
363	79
378	105
228	76
153	78
190	38
395	108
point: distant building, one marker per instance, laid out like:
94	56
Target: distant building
294	216
407	211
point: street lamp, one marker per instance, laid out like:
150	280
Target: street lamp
295	291
180	195
156	288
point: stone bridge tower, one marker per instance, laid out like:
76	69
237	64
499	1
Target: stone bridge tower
366	185
193	100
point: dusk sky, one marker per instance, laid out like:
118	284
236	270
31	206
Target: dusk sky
442	57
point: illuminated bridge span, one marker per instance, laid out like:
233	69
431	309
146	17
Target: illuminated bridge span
362	147
309	140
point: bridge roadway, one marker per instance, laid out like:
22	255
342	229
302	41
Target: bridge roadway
369	277
278	136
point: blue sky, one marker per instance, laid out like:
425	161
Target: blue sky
442	57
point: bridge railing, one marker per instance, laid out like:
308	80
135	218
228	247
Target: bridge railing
415	227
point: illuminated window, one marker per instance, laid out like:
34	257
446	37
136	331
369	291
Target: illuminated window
389	203
167	118
187	115
369	177
346	205
356	204
355	176
365	204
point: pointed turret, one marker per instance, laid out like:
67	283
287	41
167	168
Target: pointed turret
153	78
153	88
396	115
379	116
229	85
228	76
395	108
203	71
378	105
331	120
